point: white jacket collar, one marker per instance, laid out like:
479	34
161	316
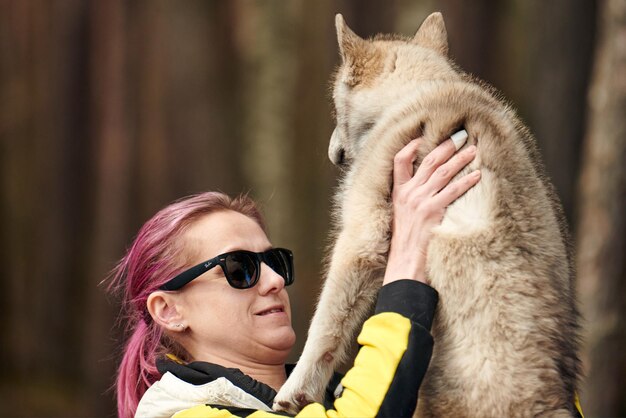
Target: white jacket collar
171	394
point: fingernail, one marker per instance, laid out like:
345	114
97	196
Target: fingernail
471	149
459	138
476	173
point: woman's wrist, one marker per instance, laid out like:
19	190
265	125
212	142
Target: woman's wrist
405	267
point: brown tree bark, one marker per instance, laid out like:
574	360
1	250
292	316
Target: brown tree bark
602	226
560	36
369	17
146	104
42	202
315	54
267	40
111	157
204	117
473	35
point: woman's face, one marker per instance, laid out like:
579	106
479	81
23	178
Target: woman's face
228	326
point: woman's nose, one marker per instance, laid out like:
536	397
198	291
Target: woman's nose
270	281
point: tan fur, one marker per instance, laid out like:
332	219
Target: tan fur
506	329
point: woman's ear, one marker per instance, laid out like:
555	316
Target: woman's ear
163	310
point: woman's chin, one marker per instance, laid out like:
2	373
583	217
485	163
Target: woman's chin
283	340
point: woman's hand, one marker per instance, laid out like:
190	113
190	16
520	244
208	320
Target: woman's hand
419	202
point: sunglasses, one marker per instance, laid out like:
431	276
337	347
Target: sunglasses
241	268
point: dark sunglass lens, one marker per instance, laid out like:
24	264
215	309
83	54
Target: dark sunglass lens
241	270
280	261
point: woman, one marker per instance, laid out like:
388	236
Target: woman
204	292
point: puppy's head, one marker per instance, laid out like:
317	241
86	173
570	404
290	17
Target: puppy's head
375	73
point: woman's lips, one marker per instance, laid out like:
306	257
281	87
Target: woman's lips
271	310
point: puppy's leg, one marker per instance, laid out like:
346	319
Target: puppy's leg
347	297
354	277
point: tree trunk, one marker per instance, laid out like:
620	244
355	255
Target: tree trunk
267	39
43	209
602	225
111	159
472	33
560	35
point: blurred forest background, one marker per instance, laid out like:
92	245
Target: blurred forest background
111	109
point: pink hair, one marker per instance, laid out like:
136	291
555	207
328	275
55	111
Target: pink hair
155	256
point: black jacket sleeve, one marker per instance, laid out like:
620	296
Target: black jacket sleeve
417	302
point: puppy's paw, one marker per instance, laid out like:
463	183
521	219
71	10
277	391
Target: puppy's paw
292	397
292	406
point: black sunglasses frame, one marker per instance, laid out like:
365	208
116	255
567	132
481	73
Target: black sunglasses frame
193	272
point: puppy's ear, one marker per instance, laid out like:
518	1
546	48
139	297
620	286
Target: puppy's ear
432	34
348	41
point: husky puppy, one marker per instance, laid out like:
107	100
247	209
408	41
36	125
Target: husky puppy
506	328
